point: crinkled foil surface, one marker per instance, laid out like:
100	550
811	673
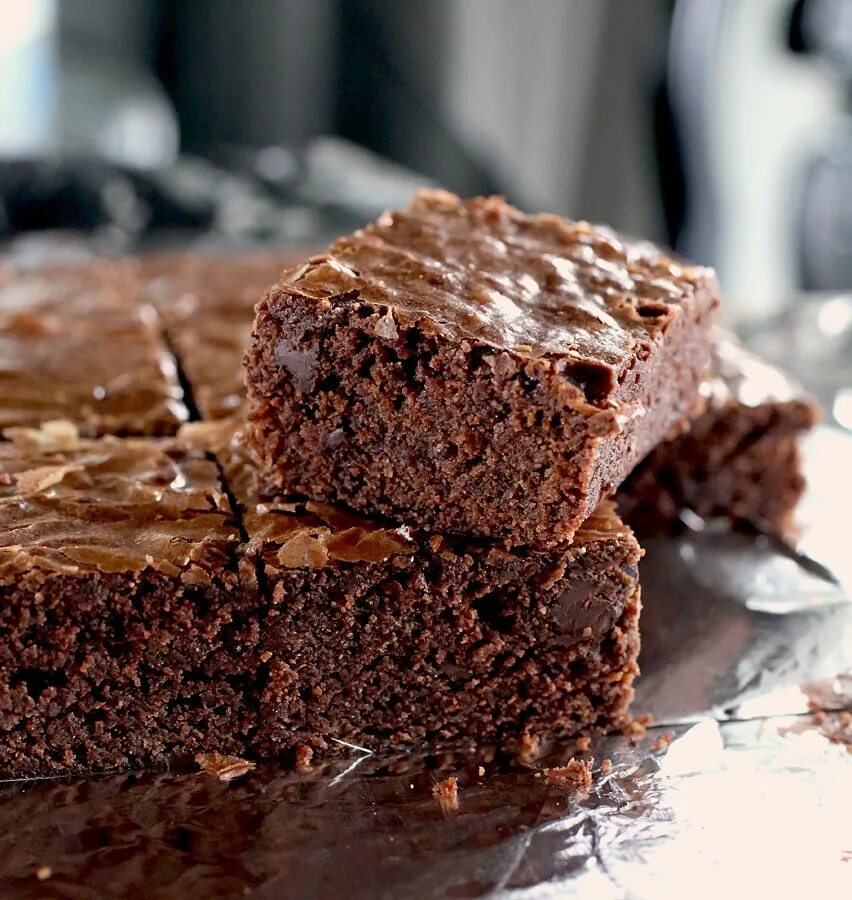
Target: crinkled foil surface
741	787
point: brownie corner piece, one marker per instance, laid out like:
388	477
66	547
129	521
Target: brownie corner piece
473	370
125	633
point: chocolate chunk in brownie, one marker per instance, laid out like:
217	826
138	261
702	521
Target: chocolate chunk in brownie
207	306
739	459
125	635
473	370
75	345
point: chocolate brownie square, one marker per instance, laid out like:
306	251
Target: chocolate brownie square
126	634
472	370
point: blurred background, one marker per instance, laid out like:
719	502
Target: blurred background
719	127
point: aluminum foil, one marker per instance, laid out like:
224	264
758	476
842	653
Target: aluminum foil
741	787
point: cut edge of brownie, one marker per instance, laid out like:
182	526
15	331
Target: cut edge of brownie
451	644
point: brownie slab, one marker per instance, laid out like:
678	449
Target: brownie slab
740	457
389	638
125	633
75	345
472	370
207	306
390	646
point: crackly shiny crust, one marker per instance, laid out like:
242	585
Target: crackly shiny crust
537	285
206	305
109	506
76	343
73	291
738	377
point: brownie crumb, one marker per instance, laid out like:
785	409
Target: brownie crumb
43	873
225	768
481	771
606	766
583	743
575	776
304	755
833	725
636	727
662	742
446	792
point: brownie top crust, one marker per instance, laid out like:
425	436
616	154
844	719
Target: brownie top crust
189	287
312	535
71	291
206	304
480	270
111	505
108	370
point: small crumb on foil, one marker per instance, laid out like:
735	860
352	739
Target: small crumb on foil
606	766
833	725
225	768
836	726
636	727
531	749
304	756
446	792
575	776
583	743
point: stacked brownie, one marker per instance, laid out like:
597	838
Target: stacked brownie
487	378
416	540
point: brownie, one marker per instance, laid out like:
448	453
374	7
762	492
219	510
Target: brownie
473	370
76	344
125	633
387	637
739	459
207	307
